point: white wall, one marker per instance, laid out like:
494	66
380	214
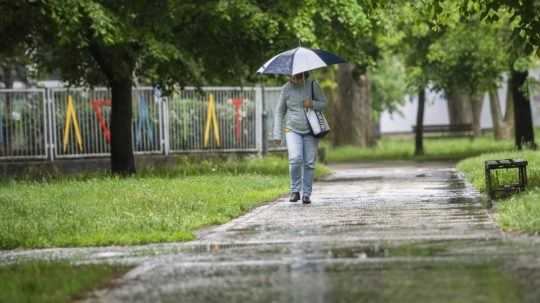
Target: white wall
436	111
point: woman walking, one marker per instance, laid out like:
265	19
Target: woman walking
299	93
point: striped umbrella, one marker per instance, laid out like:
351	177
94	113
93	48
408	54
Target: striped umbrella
298	60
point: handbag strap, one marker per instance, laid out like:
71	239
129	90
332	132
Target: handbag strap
312	92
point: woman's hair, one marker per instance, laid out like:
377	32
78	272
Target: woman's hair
306	75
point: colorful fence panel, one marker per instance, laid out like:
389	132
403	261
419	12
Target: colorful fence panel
60	123
214	119
82	122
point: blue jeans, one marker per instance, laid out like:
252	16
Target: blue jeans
302	150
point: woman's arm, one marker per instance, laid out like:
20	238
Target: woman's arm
319	99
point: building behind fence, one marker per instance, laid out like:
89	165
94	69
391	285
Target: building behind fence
60	123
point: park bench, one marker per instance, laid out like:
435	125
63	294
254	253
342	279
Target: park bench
452	130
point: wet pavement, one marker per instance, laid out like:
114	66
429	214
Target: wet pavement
374	233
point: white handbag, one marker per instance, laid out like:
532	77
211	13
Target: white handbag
316	120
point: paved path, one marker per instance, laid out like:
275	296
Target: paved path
371	204
399	233
408	233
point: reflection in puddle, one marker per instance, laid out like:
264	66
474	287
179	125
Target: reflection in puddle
356	282
415	250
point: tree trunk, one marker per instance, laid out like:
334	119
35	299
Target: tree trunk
341	109
118	63
477	102
353	120
122	160
366	110
459	107
330	108
501	129
524	130
419	131
509	112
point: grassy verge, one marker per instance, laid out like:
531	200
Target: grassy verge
52	282
270	165
435	149
520	212
155	206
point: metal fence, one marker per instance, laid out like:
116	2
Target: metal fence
60	123
80	122
214	119
271	97
23	120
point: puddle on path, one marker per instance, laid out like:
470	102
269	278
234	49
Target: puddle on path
429	271
350	179
349	282
407	250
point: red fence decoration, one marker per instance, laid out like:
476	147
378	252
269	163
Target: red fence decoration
97	105
237	103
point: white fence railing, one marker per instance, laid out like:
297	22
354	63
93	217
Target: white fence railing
228	124
23	124
271	98
59	123
80	122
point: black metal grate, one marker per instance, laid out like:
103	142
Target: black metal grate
494	187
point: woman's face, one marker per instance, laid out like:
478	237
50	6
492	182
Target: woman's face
296	79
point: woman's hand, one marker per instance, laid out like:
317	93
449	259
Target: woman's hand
308	103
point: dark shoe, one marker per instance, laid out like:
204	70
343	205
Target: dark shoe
306	200
294	197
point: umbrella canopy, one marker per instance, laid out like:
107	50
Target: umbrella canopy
299	60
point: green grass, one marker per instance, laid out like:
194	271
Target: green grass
389	148
474	167
52	281
520	212
155	206
270	165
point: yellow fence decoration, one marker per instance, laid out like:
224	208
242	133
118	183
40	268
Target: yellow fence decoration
211	117
71	117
